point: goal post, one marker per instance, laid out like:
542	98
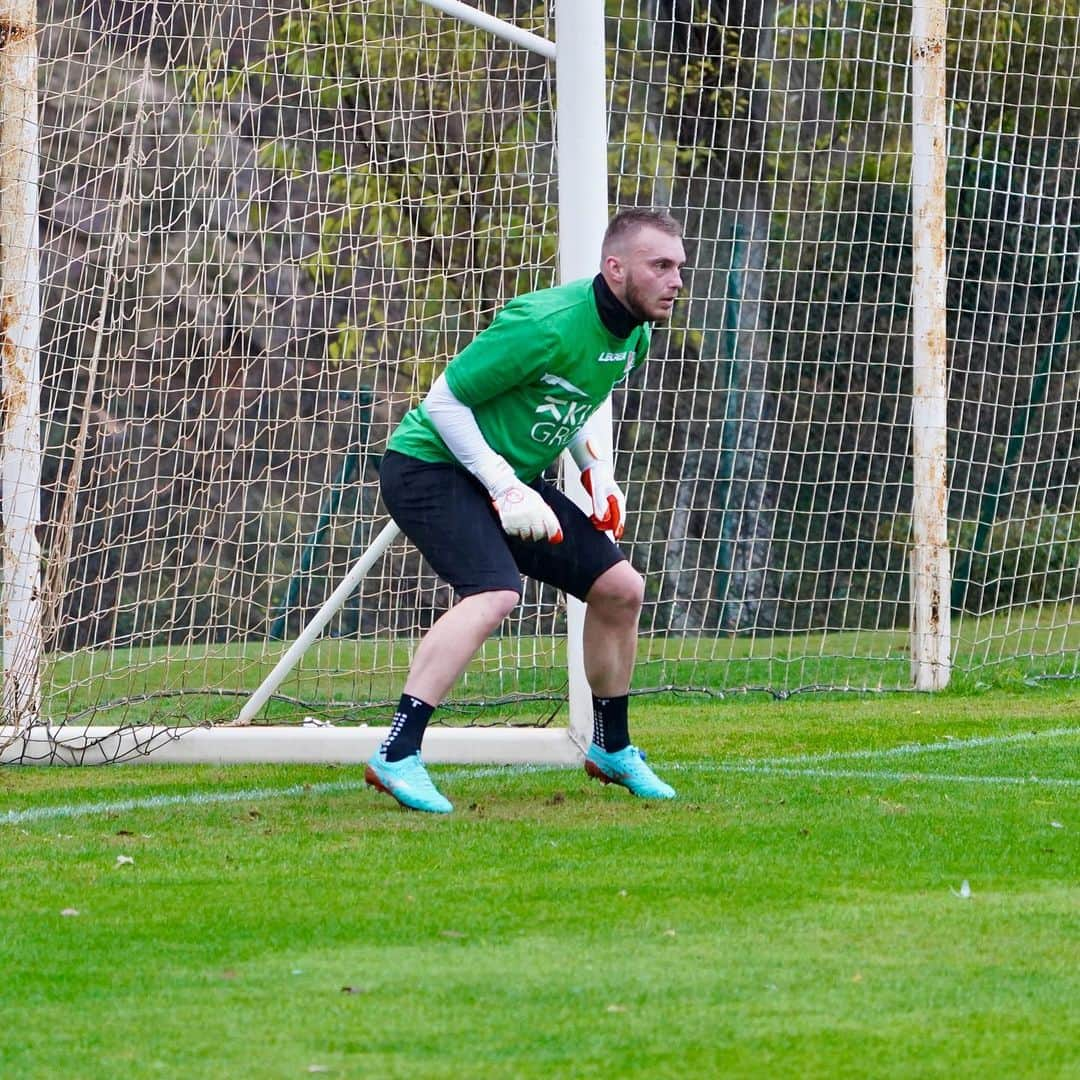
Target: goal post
581	122
20	317
931	584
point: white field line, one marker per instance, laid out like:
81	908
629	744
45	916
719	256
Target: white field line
157	802
804	765
764	769
921	748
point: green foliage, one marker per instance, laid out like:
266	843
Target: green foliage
434	190
840	153
1024	562
435	204
853	61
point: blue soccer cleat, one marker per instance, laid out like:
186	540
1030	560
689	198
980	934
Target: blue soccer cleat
627	767
408	781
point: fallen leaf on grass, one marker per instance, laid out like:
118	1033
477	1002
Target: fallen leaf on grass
70	911
965	890
124	860
616	1009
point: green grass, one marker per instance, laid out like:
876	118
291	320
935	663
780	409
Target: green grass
770	924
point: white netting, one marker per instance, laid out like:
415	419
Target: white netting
777	483
266	229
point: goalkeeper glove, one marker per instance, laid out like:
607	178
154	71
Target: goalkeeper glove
608	501
522	511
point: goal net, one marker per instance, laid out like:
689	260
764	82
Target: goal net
266	228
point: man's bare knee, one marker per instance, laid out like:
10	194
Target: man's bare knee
493	606
618	591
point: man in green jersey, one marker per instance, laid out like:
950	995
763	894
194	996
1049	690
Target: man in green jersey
462	478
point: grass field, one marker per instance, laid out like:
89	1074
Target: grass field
799	911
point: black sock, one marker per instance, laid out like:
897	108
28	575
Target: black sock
407	730
610	725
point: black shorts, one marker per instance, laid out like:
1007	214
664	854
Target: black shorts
448	515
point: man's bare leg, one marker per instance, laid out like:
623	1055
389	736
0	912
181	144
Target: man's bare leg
453	640
613	608
442	656
610	644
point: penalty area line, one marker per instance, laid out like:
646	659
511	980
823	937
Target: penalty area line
766	769
216	798
805	766
909	749
34	814
191	798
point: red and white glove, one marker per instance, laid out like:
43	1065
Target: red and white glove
522	511
608	501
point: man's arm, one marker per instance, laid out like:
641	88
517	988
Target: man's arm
597	478
522	512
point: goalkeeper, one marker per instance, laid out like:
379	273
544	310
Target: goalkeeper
462	479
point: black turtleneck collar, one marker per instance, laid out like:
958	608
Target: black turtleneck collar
617	320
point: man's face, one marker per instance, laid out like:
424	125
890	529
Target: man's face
645	273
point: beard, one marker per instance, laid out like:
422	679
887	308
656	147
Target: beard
637	303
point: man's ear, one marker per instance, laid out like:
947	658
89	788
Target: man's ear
614	269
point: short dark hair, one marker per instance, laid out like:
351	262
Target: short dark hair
627	222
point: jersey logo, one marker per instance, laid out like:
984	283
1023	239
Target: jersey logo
616	357
567	418
555	380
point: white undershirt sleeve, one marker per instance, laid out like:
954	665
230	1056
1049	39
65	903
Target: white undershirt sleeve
581	450
457	427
